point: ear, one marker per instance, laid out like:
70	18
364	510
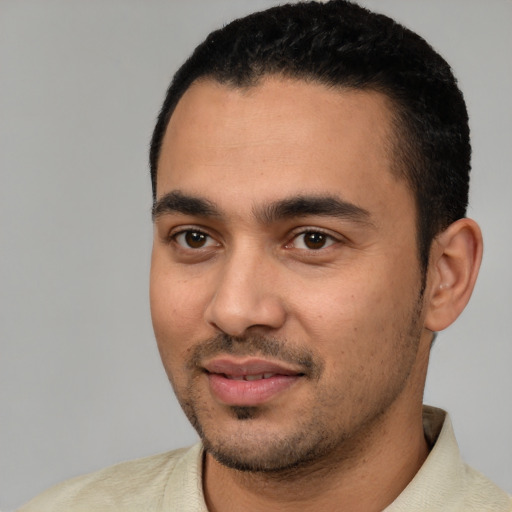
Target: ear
455	259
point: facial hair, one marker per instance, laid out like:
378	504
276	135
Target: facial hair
317	430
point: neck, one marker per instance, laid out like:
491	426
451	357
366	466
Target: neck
360	475
365	473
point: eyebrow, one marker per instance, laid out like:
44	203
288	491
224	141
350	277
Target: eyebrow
177	202
303	206
289	208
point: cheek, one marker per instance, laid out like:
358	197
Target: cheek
175	297
176	313
358	315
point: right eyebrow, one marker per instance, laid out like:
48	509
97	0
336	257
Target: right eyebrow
177	202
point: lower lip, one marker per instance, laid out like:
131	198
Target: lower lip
249	392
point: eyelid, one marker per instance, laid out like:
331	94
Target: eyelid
171	237
336	237
293	235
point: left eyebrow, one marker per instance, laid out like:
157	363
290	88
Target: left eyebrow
303	206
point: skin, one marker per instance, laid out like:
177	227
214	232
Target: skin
346	296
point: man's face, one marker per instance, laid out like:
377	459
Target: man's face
285	283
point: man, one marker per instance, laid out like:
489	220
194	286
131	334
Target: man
310	171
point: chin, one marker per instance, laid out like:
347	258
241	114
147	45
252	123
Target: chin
255	447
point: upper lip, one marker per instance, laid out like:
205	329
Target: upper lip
249	366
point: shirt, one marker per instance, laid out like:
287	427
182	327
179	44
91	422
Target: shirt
173	482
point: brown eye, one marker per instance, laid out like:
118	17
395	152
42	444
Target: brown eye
192	239
195	239
314	240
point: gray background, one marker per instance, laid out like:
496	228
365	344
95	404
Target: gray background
80	85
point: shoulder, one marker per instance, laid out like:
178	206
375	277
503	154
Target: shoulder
481	494
444	482
134	485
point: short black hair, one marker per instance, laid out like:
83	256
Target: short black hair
341	44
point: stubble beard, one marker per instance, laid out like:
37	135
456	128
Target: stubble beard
276	456
313	439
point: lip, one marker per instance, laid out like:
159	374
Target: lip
222	372
235	367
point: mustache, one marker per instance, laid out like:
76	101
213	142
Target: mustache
255	345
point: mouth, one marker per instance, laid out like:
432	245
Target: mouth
250	377
249	382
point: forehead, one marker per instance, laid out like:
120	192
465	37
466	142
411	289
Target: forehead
280	136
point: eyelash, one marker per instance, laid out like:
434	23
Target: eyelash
328	238
173	238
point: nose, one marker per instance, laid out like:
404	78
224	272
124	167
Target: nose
246	296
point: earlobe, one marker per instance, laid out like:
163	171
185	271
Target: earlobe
455	259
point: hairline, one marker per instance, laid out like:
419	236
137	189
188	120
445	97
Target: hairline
395	150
